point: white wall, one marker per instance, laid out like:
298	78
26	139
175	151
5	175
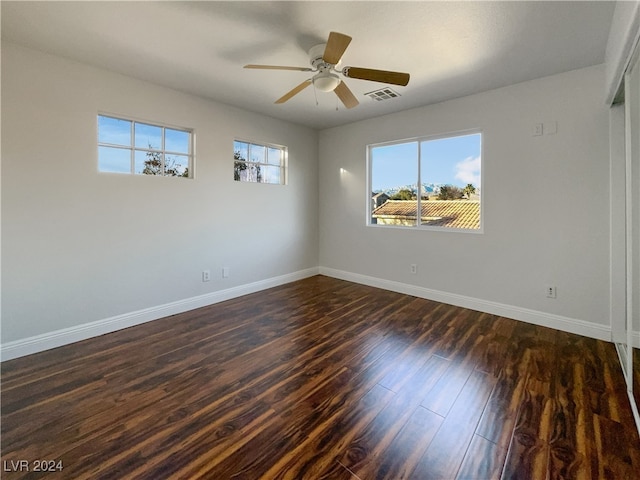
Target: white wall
546	204
79	246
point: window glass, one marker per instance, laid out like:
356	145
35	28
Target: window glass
175	165
254	173
274	156
148	163
176	141
241	151
117	160
451	161
114	131
394	172
148	136
271	174
257	153
430	182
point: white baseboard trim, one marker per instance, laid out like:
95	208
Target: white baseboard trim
65	336
571	325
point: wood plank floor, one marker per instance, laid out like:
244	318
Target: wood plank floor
322	379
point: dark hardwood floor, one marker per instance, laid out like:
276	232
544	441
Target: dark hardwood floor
322	379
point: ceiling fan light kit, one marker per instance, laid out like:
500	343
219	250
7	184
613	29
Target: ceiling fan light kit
324	58
326	82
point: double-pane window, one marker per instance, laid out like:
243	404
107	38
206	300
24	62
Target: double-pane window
430	182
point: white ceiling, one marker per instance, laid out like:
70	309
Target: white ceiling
451	49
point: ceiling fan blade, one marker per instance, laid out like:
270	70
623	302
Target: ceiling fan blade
336	45
345	95
384	76
293	92
279	67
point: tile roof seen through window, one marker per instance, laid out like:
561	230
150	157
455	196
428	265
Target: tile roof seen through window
437	213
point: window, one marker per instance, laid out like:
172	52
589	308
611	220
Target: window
128	146
253	162
428	182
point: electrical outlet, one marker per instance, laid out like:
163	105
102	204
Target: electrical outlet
206	275
413	268
551	291
537	130
225	272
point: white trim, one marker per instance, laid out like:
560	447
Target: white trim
65	336
617	224
621	349
631	253
567	324
626	49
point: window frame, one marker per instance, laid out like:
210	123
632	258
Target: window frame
132	148
284	160
419	226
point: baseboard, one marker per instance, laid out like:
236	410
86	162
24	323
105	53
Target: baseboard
58	338
572	325
46	341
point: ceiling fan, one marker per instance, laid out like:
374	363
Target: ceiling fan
324	58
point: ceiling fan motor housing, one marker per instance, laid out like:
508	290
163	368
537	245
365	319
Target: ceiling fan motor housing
315	57
324	80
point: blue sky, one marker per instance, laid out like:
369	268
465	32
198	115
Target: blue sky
451	160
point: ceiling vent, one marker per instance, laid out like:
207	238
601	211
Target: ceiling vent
383	94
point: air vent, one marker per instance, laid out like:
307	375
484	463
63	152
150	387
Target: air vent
383	94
